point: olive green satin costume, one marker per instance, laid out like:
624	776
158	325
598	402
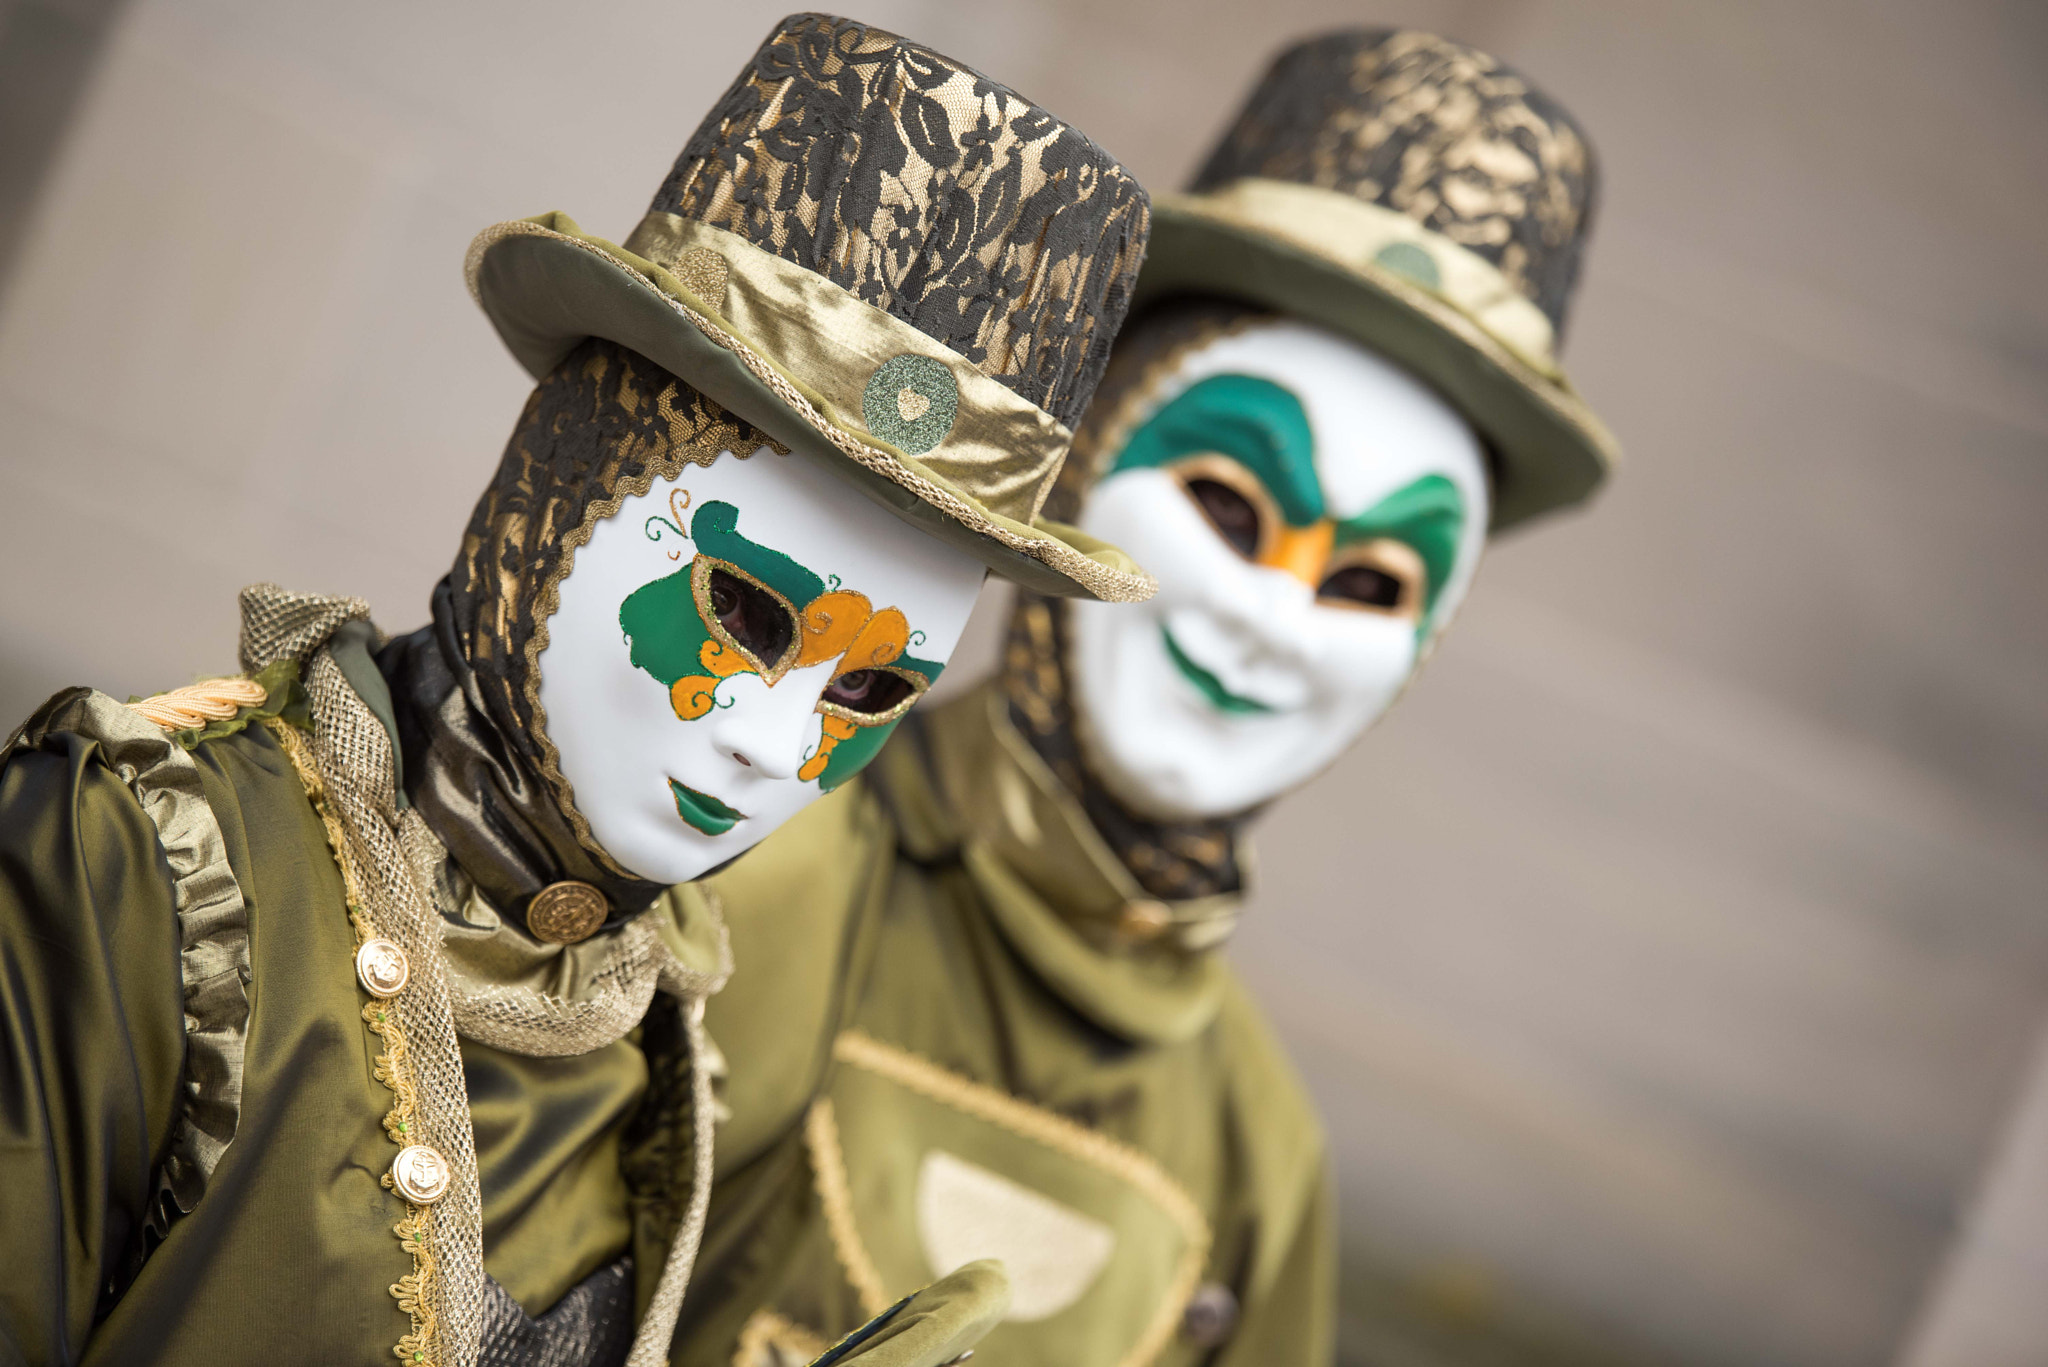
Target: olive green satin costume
953	999
1017	1024
287	1248
289	1241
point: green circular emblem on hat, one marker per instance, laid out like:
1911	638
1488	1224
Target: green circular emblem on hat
1406	258
910	402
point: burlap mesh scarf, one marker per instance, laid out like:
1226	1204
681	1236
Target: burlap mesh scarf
1173	860
600	429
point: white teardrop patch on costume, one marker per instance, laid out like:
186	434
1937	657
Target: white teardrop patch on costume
1052	1252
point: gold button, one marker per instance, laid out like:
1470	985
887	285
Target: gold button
421	1174
566	912
382	968
1143	921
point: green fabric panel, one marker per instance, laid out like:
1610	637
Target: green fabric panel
292	1242
940	976
713	528
665	629
1428	515
547	1152
91	1037
1254	421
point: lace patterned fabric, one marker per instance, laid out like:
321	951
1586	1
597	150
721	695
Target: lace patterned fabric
1445	134
930	192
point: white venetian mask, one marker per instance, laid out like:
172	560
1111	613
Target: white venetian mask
730	645
1313	514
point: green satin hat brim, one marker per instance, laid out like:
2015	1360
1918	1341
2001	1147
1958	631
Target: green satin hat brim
546	287
1552	451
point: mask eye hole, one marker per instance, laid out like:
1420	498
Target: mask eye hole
1232	498
757	622
868	693
1384	576
1366	585
1230	512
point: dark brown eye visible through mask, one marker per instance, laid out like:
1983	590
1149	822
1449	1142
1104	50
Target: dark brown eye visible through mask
1383	575
868	692
1230	512
1365	585
756	620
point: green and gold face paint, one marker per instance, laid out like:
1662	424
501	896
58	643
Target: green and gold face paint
734	644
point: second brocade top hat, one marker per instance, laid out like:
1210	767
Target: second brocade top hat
1423	198
882	259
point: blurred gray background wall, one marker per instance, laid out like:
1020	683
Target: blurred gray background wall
1671	966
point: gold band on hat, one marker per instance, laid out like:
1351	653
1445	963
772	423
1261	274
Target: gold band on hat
1003	449
567	285
1361	236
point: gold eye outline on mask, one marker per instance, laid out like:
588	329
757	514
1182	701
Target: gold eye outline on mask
704	590
1216	468
916	682
1386	558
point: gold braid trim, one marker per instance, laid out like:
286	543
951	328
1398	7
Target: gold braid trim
199	703
414	1291
828	1163
1056	1132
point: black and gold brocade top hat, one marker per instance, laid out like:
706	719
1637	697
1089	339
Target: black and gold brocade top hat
884	260
1426	200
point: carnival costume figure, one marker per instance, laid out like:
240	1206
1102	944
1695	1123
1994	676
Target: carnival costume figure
351	1008
1023	1042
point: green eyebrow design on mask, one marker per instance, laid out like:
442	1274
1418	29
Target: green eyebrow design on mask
713	529
660	619
1429	515
1253	421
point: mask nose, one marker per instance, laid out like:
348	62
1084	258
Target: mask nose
1302	552
767	729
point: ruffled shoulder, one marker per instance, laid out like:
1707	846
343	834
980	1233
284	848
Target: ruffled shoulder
151	757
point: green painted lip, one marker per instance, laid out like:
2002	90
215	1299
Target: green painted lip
1211	687
704	811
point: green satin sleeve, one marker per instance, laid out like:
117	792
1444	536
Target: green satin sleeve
91	1038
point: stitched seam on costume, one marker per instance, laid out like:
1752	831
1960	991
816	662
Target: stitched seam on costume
828	1166
1114	586
414	1292
1056	1132
767	1331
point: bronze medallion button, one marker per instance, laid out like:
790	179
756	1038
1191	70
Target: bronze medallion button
1143	921
382	968
421	1174
567	912
1211	1315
